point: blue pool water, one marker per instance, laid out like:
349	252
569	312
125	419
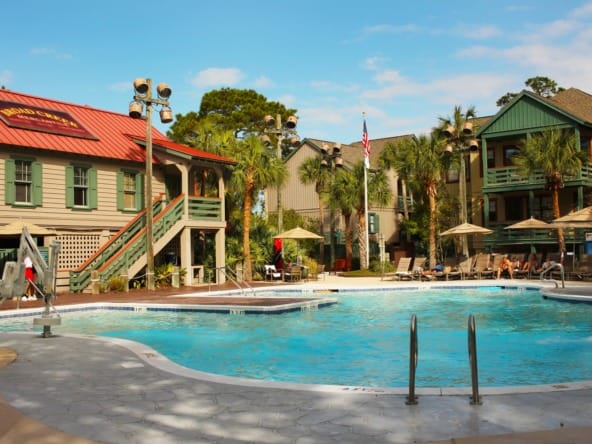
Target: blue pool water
363	340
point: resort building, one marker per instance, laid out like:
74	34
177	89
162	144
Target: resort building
79	172
496	195
506	197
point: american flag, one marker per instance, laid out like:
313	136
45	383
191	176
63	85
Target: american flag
366	143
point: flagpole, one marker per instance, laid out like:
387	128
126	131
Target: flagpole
366	143
366	212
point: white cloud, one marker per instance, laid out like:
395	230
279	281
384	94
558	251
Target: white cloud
479	32
49	52
263	82
217	76
390	29
374	63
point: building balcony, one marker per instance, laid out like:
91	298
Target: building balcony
508	179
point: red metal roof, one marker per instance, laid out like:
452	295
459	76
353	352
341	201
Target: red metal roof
115	132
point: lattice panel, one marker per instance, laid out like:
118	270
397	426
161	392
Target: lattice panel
75	249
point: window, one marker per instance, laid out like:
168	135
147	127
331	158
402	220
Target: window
23	182
492	210
130	191
509	152
490	158
81	187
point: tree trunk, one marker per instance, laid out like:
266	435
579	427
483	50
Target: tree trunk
363	234
432	228
322	230
556	215
405	207
247	272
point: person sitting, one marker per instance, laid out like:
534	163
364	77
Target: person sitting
505	266
531	263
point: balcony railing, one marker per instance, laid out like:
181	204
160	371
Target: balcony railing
509	176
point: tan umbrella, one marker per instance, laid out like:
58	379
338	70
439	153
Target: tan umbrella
580	216
529	224
466	229
298	233
16	228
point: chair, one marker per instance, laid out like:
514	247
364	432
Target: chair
403	269
482	267
418	265
467	268
451	270
293	273
272	273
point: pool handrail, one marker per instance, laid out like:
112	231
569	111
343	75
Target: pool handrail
413	358
472	339
553	266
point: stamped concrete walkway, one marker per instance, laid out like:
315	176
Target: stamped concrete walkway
72	389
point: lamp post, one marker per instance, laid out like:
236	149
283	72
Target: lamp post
143	96
282	132
331	161
461	140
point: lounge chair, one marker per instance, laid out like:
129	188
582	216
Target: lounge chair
467	268
482	267
451	270
417	270
403	269
272	273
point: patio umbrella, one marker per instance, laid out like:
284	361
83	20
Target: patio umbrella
529	224
16	228
583	216
297	234
466	229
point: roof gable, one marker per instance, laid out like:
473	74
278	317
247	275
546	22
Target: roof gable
530	112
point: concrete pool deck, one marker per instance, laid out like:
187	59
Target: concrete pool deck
78	389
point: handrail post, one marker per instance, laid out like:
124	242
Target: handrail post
475	398
413	356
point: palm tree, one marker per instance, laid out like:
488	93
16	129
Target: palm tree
311	171
555	154
343	197
256	168
423	160
347	195
457	130
386	161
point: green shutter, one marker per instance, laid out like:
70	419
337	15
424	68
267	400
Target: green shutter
37	176
119	184
92	189
9	188
373	223
69	186
139	191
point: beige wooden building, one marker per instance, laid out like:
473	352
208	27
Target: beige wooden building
80	172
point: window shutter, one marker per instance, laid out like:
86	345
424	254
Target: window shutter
119	184
139	191
373	223
37	176
92	189
9	189
69	186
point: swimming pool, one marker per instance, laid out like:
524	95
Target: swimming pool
363	340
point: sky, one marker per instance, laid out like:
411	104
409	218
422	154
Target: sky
400	65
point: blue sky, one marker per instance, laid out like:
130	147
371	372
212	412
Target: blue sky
402	63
